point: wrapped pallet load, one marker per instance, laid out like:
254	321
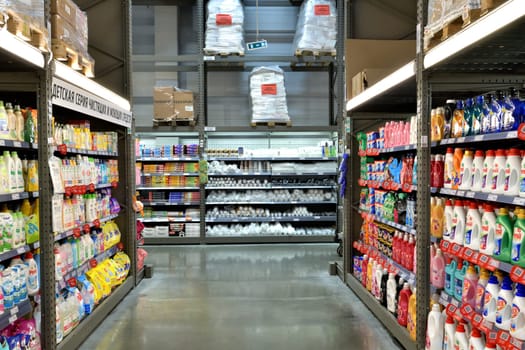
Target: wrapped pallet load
316	27
268	95
25	19
224	27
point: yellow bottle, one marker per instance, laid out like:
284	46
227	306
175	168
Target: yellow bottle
437	120
369	275
25	208
437	212
412	312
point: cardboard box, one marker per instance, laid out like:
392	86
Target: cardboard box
163	94
164	110
387	55
365	79
183	104
65	9
62	30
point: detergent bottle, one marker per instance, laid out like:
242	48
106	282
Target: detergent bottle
481	287
488	231
364	270
518	248
458	223
450	270
460	338
458	157
369	275
436	217
391	293
476	341
522	173
498	172
448	221
503	236
473	227
465	171
449	168
504	304
449	333
402	305
458	120
437	267
517	322
435	329
477	170
383	291
512	173
488	168
412	314
459	277
470	283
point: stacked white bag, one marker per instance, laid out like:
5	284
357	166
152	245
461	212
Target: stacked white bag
268	95
317	26
224	27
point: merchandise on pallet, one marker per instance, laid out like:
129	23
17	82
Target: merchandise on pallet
268	95
224	28
25	19
171	103
316	28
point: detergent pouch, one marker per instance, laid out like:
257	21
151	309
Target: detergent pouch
88	294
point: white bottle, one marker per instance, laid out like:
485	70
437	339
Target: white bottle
435	329
477	171
449	333
488	164
11	172
465	173
512	172
488	229
476	341
19	174
498	172
491	299
522	175
33	280
517	322
449	216
473	227
458	223
460	338
504	309
391	292
449	168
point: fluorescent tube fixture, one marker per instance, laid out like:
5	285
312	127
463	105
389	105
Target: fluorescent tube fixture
65	73
492	22
21	49
402	74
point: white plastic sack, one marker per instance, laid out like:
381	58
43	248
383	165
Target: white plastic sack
268	95
317	26
224	27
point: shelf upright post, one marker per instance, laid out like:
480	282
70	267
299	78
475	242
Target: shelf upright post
202	107
423	175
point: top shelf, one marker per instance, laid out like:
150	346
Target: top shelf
26	55
272	158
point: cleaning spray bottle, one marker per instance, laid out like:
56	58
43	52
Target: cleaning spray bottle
491	299
503	236
517	322
504	305
435	329
470	282
518	237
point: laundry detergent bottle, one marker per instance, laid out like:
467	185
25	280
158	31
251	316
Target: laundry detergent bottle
477	171
435	329
503	236
491	299
437	267
459	277
473	227
476	340
512	172
470	284
460	338
412	316
449	168
402	305
517	321
488	231
458	223
391	293
450	269
504	305
480	290
449	333
465	172
488	165
518	237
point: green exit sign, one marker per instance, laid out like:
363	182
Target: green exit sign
256	45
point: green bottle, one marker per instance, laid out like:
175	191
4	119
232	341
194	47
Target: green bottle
518	246
29	129
503	236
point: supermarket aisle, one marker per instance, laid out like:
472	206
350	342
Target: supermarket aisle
241	297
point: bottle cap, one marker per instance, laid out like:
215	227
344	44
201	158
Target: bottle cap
473	205
460	328
29	255
514	152
490	153
493	280
475	333
449	320
458	203
450	150
507	283
479	153
520	290
501	153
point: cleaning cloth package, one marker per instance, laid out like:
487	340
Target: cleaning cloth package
316	27
224	27
268	95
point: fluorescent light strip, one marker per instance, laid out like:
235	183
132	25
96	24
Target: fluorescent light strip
492	22
402	74
21	49
64	72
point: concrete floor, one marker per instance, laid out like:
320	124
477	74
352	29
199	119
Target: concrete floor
241	297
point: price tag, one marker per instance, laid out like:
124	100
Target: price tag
14	310
17	144
492	197
445	246
451	310
468	254
517	274
515	344
456	304
476	320
478	138
2	142
407	187
15	196
503	339
13	318
518	201
460	193
460	140
21	250
467	311
456	249
209	58
322	10
268	89
470	194
222	19
295	219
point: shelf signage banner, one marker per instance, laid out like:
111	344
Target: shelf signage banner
69	96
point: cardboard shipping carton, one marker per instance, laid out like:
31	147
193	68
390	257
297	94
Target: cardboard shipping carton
163	94
164	111
183	104
366	78
66	9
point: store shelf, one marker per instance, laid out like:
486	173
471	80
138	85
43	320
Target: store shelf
329	173
13	314
17	196
241	174
90	323
273	219
168	204
390	223
20	51
381	313
272	203
377	151
500	136
18	144
171	240
287	159
269	239
142	188
71	232
306	187
168	159
18	251
87	152
490	197
101	186
159	220
170	174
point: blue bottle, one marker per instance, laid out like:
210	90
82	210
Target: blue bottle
507	112
485	115
519	110
495	114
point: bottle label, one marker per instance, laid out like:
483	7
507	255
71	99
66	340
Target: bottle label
459	288
522	180
508	119
501	305
468	232
448	280
507	177
517	237
484	176
494	179
480	296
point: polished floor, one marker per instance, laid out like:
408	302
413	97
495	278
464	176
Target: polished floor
241	297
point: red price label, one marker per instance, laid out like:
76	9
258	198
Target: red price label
72	282
62	149
222	19
451	309
68	191
120	246
445	246
467	311
93	263
476	320
322	10
86	228
76	232
515	344
114	184
269	89
456	249
517	273
503	339
407	187
96	223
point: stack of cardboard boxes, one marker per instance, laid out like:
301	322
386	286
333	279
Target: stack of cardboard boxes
171	103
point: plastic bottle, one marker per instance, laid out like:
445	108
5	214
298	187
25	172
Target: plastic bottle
391	291
459	277
412	316
518	237
437	267
522	175
470	283
11	121
477	171
458	121
29	127
402	305
476	341
475	122
498	172
437	125
507	112
448	221
373	284
449	333
473	227
369	274
19	176
491	299
364	271
488	231
517	321
410	253
33	280
504	304
512	172
465	171
458	156
457	234
449	168
480	290
435	329
488	168
19	123
4	131
449	108
460	338
383	291
450	270
503	236
11	178
495	114
437	218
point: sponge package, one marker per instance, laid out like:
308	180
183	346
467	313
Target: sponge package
317	26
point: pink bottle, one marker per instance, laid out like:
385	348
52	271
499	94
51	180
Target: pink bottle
470	284
437	267
407	134
402	305
410	253
402	251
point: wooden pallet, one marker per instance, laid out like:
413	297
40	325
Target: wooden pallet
316	53
271	124
64	51
489	5
22	27
222	54
174	122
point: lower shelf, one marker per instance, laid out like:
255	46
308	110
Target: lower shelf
171	240
270	239
88	325
140	277
381	313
